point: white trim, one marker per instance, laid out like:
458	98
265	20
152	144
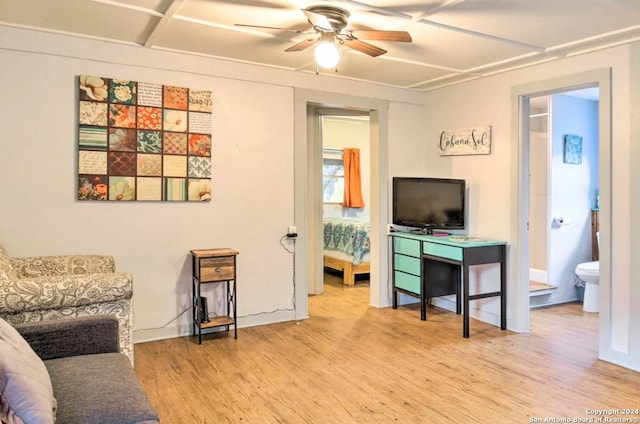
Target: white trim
519	298
307	193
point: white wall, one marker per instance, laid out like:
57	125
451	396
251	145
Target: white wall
252	184
489	102
410	155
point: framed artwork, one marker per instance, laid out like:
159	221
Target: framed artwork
143	141
572	153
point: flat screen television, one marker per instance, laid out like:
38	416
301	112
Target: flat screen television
425	204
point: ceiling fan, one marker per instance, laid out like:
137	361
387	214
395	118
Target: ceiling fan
330	23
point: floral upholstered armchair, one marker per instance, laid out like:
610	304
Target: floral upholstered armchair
42	288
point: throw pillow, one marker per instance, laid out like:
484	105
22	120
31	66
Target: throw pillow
6	270
26	395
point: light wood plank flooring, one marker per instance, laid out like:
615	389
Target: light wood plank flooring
352	363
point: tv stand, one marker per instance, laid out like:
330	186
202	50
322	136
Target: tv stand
425	266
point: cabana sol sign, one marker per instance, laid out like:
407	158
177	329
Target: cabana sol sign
466	141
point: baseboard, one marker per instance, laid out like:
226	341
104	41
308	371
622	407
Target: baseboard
185	329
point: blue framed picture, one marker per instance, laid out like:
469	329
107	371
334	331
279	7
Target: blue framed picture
572	153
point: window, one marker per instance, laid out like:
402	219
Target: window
332	176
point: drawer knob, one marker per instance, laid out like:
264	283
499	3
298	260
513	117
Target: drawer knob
218	269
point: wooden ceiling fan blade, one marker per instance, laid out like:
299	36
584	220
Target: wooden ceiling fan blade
318	20
402	36
302	45
363	47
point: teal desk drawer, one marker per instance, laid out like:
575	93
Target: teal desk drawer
407	282
407	264
406	246
444	251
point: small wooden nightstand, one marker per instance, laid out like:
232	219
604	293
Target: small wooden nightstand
214	266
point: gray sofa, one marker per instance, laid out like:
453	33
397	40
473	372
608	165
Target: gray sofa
92	381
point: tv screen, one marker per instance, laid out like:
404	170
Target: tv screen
429	203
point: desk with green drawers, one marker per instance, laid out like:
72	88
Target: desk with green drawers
427	266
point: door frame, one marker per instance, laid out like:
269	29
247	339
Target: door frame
520	194
316	137
308	193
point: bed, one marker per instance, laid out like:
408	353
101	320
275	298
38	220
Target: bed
347	246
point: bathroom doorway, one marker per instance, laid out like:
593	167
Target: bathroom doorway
563	192
520	249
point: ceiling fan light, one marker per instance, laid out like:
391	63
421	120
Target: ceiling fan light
327	55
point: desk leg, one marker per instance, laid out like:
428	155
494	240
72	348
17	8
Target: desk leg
458	292
423	290
465	293
394	298
423	303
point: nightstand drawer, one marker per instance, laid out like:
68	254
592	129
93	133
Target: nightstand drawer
216	269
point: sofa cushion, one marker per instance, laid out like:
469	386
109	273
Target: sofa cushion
6	269
98	389
59	291
45	266
26	394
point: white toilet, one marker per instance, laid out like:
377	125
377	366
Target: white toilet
589	272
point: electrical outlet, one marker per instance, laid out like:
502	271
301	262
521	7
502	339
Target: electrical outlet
292	229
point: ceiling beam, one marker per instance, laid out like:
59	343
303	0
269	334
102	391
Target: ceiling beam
130	7
370	8
482	35
445	5
162	23
628	35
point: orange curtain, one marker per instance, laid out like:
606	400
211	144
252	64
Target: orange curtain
352	179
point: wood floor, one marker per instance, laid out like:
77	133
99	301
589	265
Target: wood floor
351	363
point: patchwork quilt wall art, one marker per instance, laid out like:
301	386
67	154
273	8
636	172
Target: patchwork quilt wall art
143	141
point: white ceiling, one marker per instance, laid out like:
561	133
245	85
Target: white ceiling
453	40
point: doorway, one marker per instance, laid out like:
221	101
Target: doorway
563	189
520	254
345	230
307	193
